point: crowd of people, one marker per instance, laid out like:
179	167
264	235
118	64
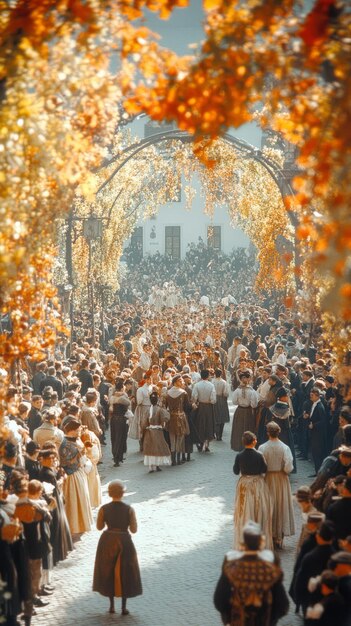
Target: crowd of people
204	270
162	374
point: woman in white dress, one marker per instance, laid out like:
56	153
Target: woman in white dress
246	399
280	464
142	411
93	452
252	500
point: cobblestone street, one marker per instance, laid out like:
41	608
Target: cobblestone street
185	528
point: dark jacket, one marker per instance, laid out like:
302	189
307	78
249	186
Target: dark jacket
340	514
312	564
34	420
55	383
86	380
334	611
229	603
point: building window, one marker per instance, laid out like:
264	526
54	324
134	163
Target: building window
214	237
172	241
136	242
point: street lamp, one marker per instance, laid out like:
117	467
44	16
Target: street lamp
92	230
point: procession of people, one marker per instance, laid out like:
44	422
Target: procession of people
161	371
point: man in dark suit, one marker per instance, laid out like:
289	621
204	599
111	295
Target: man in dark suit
51	380
318	429
85	377
306	386
34	415
340	512
250	588
313	564
38	377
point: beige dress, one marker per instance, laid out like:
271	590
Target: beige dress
279	465
94	484
75	487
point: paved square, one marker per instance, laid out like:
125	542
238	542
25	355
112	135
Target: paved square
185	517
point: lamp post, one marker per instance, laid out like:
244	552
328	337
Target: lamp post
92	230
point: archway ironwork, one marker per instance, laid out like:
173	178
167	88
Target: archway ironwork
245	150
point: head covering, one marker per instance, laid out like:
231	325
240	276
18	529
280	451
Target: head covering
46	454
341	557
303	494
315	517
345	450
280	410
326	531
329	579
282	393
32	447
175	378
71	424
252	528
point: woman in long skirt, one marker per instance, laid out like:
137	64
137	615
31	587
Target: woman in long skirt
116	571
155	447
119	407
61	539
141	414
252	500
279	465
93	452
75	486
246	399
280	414
221	411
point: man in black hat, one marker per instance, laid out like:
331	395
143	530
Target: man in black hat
85	377
51	380
343	420
303	421
34	415
330	607
340	563
340	511
31	460
38	377
250	589
317	425
313	564
61	538
314	520
333	465
303	497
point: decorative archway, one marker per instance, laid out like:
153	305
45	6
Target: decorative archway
118	163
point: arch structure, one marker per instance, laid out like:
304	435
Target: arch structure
244	152
243	147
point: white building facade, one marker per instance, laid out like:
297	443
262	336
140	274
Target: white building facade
175	227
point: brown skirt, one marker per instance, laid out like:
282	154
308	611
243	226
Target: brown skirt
154	443
116	571
243	419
